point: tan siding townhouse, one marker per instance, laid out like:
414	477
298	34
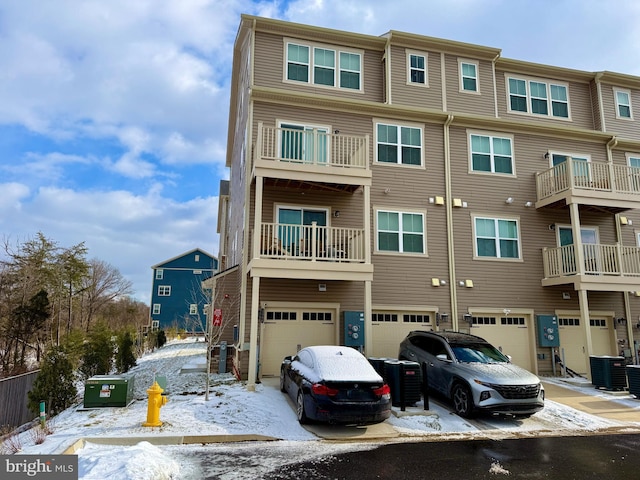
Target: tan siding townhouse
380	185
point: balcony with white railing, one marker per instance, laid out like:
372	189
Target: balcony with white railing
604	267
589	183
312	154
310	251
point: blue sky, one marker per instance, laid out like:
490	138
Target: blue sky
113	114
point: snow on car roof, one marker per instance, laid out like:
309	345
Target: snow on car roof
342	364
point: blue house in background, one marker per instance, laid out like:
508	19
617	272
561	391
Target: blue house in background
177	297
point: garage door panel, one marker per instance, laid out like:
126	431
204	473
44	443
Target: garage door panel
284	336
511	335
573	342
390	328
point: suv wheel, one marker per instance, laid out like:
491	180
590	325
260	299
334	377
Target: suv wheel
462	400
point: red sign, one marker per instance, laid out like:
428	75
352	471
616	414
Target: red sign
217	317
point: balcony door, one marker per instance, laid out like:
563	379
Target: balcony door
589	238
295	228
304	143
581	171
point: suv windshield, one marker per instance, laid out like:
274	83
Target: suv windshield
478	352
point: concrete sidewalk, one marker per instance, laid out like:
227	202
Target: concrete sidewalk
592	404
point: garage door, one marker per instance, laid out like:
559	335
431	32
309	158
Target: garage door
509	334
390	328
573	342
285	331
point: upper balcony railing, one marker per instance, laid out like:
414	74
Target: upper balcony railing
583	175
312	147
311	243
614	260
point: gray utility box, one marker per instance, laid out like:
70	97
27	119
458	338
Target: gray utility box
108	391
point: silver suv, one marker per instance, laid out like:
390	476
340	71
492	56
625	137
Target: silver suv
473	374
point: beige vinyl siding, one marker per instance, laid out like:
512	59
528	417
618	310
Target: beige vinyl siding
595	102
624	128
414	95
476	103
269	70
508	283
581	111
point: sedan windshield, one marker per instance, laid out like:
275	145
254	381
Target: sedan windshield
478	352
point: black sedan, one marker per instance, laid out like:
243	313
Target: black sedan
335	384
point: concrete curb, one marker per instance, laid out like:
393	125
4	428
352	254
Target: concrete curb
166	440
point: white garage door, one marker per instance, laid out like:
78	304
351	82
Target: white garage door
573	342
509	334
390	328
285	331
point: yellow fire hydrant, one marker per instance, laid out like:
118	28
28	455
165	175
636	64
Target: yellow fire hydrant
156	400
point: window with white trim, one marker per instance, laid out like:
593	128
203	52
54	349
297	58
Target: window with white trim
623	103
468	76
417	68
496	238
491	154
538	97
156	309
193	309
159	274
398	144
401	232
634	161
164	290
155	324
317	65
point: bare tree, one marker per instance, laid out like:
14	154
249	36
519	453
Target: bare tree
103	285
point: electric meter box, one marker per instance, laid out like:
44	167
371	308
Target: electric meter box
353	325
108	391
548	334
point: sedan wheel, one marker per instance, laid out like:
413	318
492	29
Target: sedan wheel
462	400
302	416
282	389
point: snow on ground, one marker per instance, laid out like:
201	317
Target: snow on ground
233	409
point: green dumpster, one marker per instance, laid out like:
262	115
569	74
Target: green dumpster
108	391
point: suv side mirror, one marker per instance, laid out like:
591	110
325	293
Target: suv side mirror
443	357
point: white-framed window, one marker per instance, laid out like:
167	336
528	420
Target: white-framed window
323	65
400	232
633	160
496	237
417	68
156	309
491	153
155	324
538	97
398	144
159	274
197	258
623	103
193	309
164	290
468	76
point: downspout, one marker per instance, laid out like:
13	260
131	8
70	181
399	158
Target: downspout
495	88
387	59
611	144
449	219
596	79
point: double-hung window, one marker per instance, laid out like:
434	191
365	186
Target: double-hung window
538	97
159	274
399	144
496	238
322	65
623	103
417	69
491	154
193	309
468	76
156	309
401	232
